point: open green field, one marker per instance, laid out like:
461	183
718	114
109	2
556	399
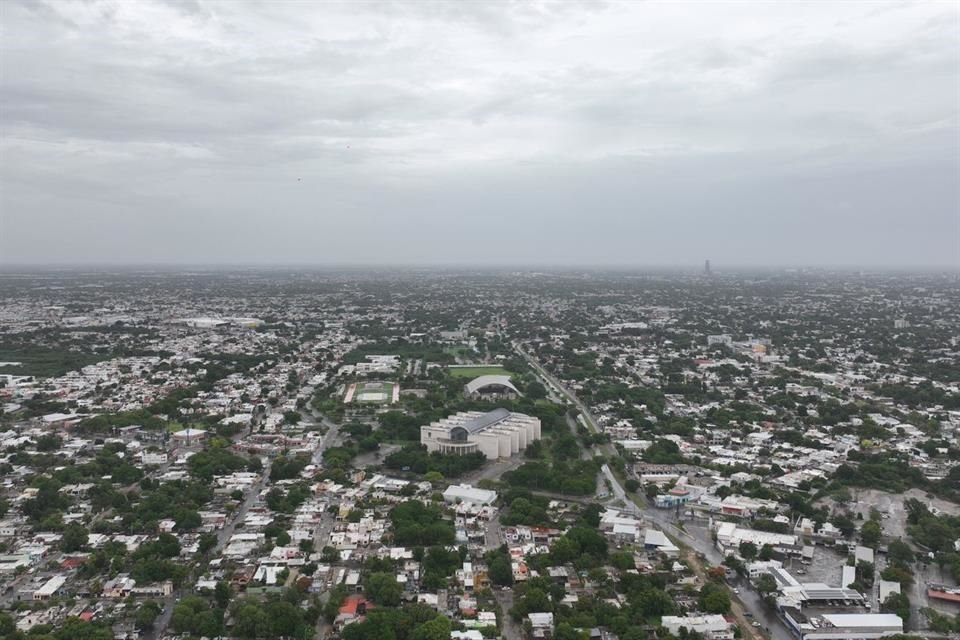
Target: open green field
459	351
473	372
44	362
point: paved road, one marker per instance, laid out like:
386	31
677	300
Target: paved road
491	537
328	439
508	626
702	544
492	471
223	535
554	383
663	518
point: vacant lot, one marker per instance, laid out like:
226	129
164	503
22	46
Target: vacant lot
890	506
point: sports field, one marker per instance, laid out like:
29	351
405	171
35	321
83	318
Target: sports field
372	392
473	372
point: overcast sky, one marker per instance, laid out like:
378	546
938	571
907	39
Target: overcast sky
625	133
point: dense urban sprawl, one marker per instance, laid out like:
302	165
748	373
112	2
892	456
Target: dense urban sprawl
424	455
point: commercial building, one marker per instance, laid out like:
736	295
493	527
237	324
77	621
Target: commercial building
729	537
843	626
495	434
799	595
676	497
465	493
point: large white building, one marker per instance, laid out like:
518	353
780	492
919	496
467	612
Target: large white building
844	626
713	626
729	537
495	434
465	493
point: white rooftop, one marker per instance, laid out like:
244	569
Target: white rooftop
864	619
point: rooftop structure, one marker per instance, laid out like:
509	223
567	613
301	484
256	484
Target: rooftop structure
713	626
729	536
843	626
468	493
490	386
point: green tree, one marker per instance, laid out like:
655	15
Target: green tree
74	538
900	553
76	629
714	598
535	391
899	604
565	631
748	551
251	621
500	570
766	584
897	574
622	560
147	614
7	625
206	542
865	572
870	533
436	629
221	594
383	589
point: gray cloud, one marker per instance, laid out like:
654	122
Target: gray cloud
526	132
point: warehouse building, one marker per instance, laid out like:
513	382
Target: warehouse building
843	626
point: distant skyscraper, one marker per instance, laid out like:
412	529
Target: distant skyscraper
706	267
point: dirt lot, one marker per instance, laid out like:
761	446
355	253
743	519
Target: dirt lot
891	506
827	566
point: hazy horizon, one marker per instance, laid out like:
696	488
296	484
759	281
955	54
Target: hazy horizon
717	270
576	134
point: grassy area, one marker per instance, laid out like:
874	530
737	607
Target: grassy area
473	372
46	363
173	427
459	351
428	352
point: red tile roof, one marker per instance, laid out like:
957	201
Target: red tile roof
352	602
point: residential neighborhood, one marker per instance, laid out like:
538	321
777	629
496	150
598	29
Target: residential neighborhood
492	455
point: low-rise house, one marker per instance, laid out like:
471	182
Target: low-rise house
119	587
713	627
541	624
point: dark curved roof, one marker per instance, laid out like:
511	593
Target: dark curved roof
485	421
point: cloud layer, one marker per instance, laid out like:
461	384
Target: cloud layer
545	133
